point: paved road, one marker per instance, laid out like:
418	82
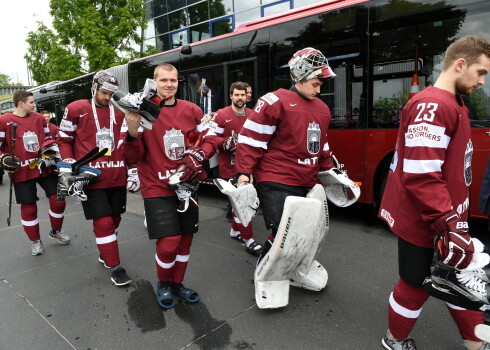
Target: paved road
64	299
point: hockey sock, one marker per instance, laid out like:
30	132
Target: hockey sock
404	308
245	231
56	212
106	240
28	214
166	252
182	258
466	320
117	221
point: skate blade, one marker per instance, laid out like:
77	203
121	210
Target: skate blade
482	331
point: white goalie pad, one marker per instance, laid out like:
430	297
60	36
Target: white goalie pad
340	190
291	245
243	199
310	273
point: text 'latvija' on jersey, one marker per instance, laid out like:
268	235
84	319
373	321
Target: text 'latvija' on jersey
30	134
79	132
226	122
285	140
158	151
430	173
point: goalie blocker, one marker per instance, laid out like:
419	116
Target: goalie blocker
291	259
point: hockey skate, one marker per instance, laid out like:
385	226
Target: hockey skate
71	184
185	192
140	103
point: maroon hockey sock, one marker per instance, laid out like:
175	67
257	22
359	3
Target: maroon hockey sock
245	231
404	308
28	214
107	240
166	252
56	212
182	258
466	320
117	221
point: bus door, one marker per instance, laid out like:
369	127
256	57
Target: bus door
244	70
191	79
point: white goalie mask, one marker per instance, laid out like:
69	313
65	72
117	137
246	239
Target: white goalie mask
104	80
309	63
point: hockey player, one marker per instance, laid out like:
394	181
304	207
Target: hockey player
30	134
159	153
229	121
284	144
96	123
53	129
428	192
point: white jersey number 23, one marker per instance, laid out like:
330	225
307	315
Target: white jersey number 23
426	112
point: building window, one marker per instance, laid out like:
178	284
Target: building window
150	30
241	5
220	8
198	13
175	4
299	3
276	7
161	24
247	16
178	19
222	26
179	38
199	32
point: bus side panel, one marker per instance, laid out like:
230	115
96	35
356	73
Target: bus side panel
481	150
351	156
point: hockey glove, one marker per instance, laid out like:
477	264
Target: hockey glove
9	163
133	180
456	246
229	144
192	161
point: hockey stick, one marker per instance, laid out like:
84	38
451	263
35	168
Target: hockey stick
14	130
92	155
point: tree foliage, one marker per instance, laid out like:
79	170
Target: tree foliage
5	80
88	35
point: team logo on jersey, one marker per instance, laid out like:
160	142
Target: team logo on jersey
468	155
313	138
31	142
173	140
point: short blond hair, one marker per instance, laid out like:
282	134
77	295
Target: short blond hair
163	66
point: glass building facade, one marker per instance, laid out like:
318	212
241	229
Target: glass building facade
173	23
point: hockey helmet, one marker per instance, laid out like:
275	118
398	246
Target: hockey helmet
309	63
104	80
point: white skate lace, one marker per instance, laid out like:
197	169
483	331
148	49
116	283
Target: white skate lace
134	99
76	189
472	281
184	195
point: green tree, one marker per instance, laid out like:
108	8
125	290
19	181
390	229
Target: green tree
94	34
5	80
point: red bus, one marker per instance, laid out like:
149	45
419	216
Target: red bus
379	49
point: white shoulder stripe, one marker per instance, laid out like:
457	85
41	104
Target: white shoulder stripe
251	142
422	166
259	128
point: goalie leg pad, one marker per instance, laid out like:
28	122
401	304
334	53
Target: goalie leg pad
292	242
310	273
243	199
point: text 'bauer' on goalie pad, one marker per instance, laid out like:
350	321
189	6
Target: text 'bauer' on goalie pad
310	274
293	240
243	199
340	190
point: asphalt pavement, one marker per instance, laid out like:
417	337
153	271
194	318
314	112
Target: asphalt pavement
64	299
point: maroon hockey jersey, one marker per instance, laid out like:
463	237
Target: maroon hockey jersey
158	151
285	140
31	132
227	121
77	135
430	173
